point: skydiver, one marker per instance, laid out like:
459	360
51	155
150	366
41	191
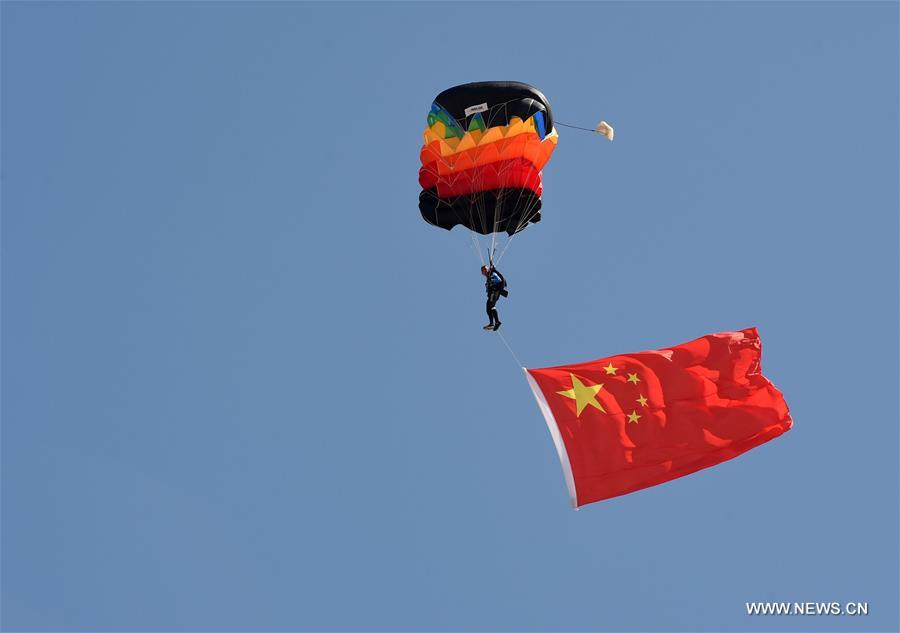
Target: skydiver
495	284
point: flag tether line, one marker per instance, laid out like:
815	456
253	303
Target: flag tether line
515	358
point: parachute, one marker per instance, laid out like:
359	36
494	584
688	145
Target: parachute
485	146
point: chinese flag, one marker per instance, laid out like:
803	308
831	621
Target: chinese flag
632	421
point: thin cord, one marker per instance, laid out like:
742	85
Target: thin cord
515	358
519	228
576	127
477	247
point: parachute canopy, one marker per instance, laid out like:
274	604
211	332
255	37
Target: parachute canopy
485	146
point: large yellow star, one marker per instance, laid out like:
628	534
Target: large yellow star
642	400
583	395
633	417
610	369
632	378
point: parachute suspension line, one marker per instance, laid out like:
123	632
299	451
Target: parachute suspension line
519	227
520	224
527	216
508	240
506	246
498	203
505	199
476	246
524	219
493	240
515	358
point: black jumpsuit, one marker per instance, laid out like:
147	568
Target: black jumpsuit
493	295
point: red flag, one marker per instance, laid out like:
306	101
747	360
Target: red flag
632	421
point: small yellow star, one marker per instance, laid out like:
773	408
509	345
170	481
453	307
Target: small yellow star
632	378
583	395
633	417
610	369
642	401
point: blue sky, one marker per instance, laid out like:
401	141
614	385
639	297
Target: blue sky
245	387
